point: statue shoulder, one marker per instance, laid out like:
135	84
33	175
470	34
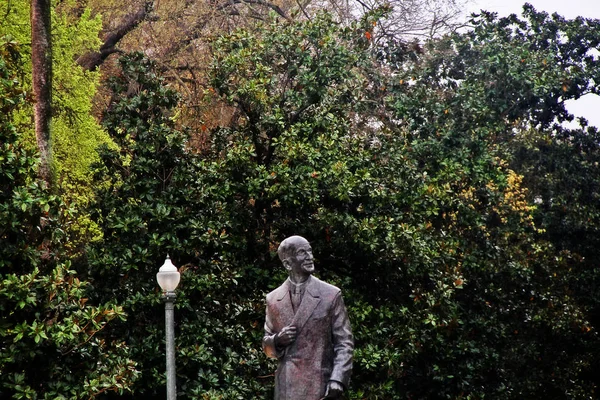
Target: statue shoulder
278	293
326	288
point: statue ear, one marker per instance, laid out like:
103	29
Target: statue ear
287	265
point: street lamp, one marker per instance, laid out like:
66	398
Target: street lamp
168	279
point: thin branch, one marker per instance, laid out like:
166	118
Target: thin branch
93	60
303	10
264	3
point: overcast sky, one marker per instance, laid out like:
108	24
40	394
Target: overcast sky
588	106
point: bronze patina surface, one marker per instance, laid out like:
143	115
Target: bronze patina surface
307	330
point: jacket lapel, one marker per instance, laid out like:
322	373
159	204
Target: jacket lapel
310	300
284	303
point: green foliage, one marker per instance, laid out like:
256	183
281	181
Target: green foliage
156	197
75	132
396	178
505	84
518	70
401	188
397	164
559	165
48	343
437	191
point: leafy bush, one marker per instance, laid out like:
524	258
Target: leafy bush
155	196
452	290
48	343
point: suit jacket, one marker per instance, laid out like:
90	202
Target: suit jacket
323	347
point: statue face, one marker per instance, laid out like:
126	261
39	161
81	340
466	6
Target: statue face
302	261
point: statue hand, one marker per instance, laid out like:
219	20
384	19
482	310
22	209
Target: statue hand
334	390
286	337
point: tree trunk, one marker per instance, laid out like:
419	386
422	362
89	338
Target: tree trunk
41	61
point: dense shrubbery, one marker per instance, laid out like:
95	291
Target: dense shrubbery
49	341
76	133
398	180
406	168
155	197
452	289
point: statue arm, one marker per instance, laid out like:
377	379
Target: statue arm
343	343
334	390
268	343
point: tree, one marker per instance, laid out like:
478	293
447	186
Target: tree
75	131
41	61
155	196
177	35
510	78
49	346
392	169
393	173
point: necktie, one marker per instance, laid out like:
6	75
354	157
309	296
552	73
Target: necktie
296	297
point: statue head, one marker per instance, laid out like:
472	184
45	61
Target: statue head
296	255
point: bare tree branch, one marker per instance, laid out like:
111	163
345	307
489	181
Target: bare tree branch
91	61
264	3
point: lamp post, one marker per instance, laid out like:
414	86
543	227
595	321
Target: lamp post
168	279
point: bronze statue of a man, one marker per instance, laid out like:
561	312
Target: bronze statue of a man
307	330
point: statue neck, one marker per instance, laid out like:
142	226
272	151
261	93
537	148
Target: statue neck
299	279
